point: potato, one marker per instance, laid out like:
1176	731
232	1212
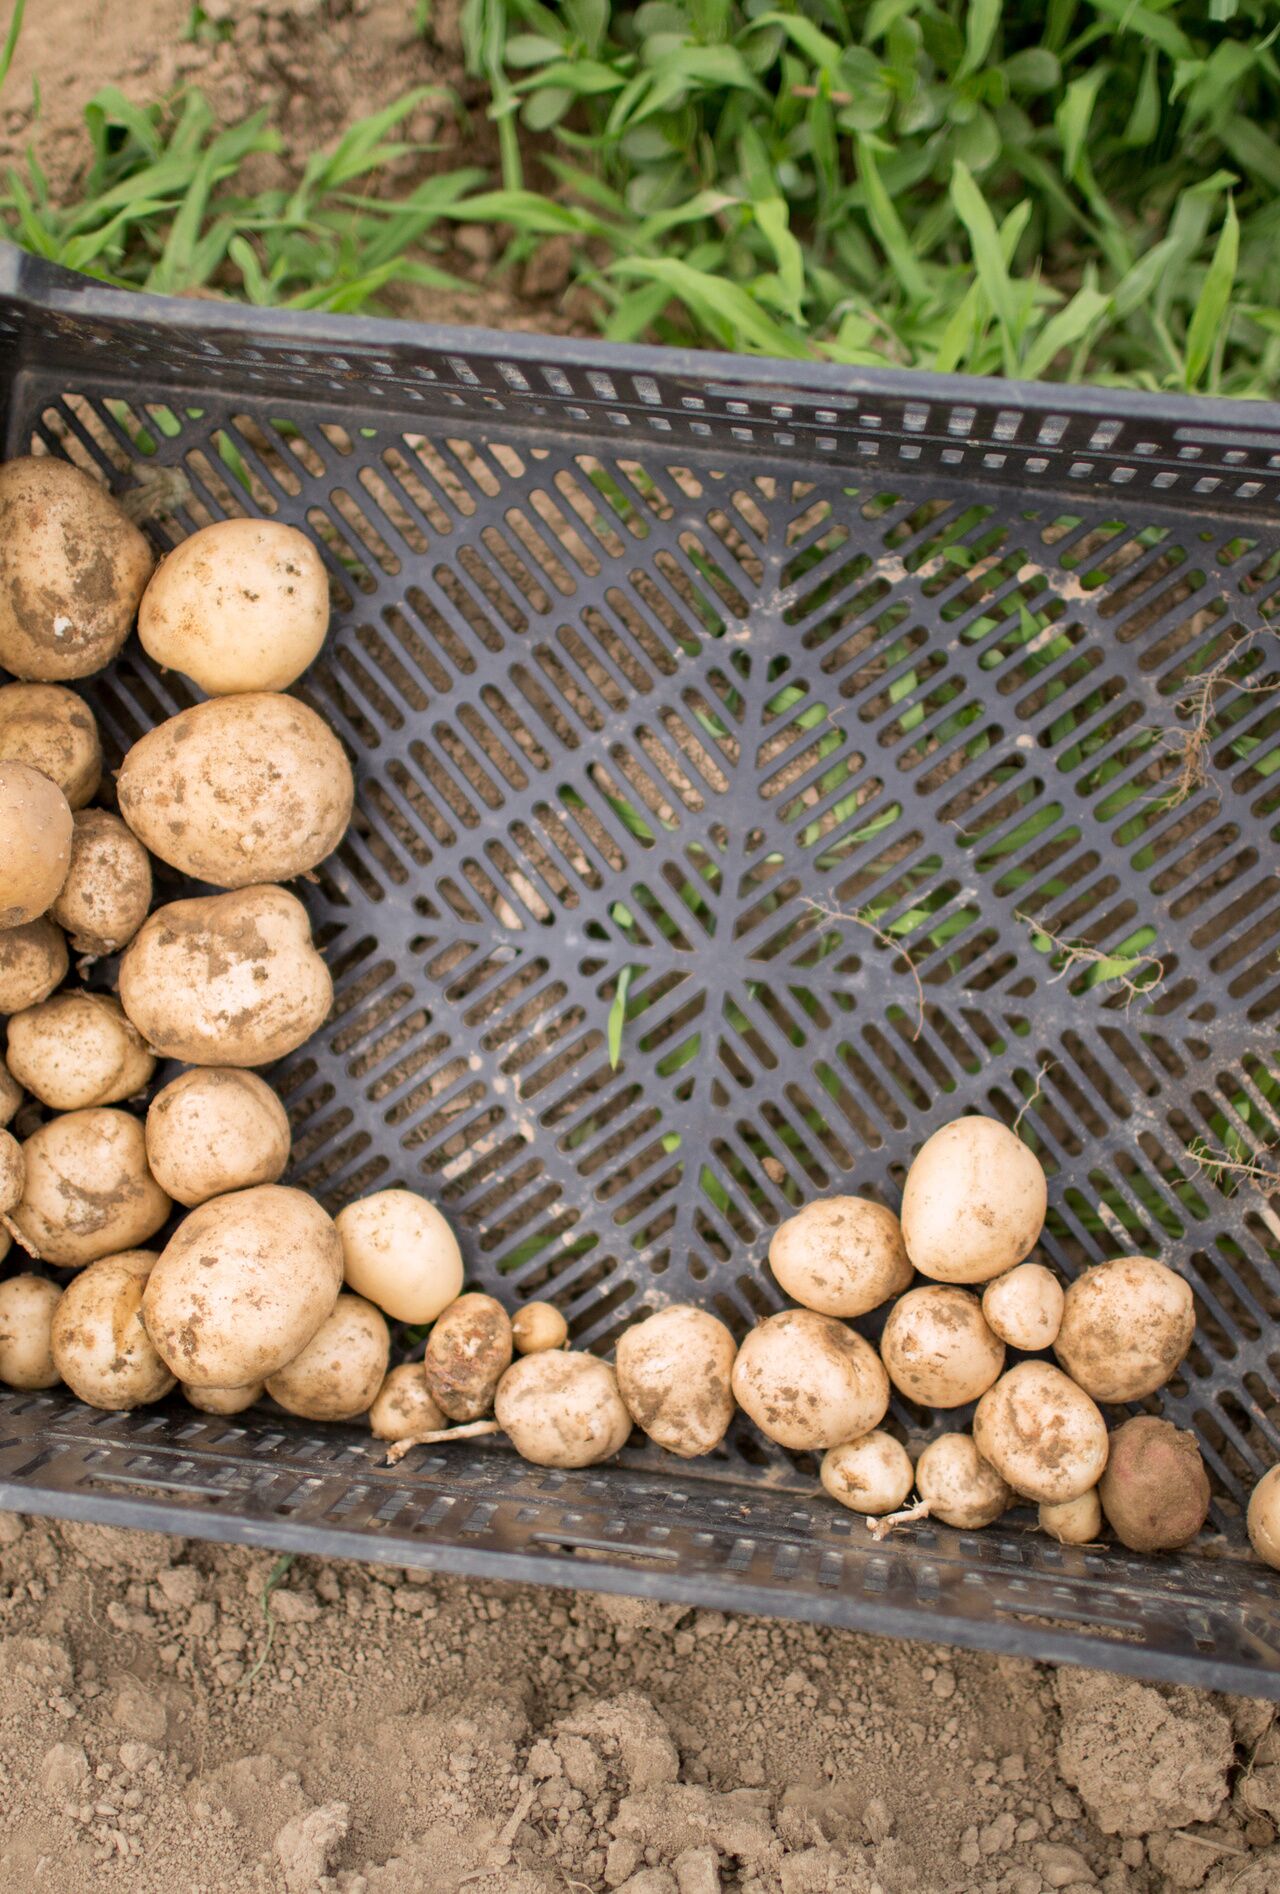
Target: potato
872	1475
88	1192
974	1202
225	1400
840	1256
226	979
13	1173
339	1372
1155	1491
468	1352
807	1381
562	1409
72	569
958	1486
27	1304
1263	1516
1024	1307
243	1285
52	730
107	893
215	1129
938	1349
1074	1521
242	605
100	1345
239	790
77	1049
398	1250
1126	1325
33	959
1041	1433
35	824
537	1326
10	1094
403	1407
674	1374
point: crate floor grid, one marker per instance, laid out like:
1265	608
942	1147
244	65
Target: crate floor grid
852	769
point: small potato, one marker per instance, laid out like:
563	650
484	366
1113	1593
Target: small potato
403	1407
1155	1491
958	1486
107	893
674	1374
33	959
78	1049
938	1349
398	1250
88	1191
872	1475
974	1202
1074	1521
243	1285
562	1409
100	1346
1263	1517
339	1372
13	1173
840	1256
225	1400
215	1129
27	1304
1041	1433
1024	1307
72	569
468	1352
239	790
538	1326
242	605
10	1094
807	1381
35	824
1126	1325
54	731
226	979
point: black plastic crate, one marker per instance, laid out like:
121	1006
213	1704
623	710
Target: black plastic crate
640	654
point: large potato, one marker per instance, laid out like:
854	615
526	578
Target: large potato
1041	1433
807	1381
100	1345
399	1251
35	843
340	1371
1155	1491
840	1256
974	1202
72	569
468	1352
1125	1327
242	605
88	1190
78	1049
675	1374
54	731
33	959
27	1304
562	1409
243	1284
213	1130
107	893
226	979
938	1348
239	790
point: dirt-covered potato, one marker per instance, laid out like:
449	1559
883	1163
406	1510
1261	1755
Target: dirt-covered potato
88	1192
107	893
242	605
1263	1517
1024	1307
675	1375
33	959
562	1409
1126	1325
226	979
468	1351
239	790
27	1304
807	1381
77	1049
13	1173
100	1345
35	843
339	1372
243	1285
1074	1521
53	730
1155	1491
974	1202
403	1407
1041	1433
937	1347
72	569
840	1256
398	1250
10	1094
872	1475
225	1400
215	1129
537	1326
958	1486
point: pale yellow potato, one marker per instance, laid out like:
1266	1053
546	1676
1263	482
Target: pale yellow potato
974	1202
938	1349
562	1409
398	1250
35	843
13	1173
100	1344
538	1326
340	1371
33	959
10	1094
1264	1518
958	1486
54	731
243	1285
72	569
239	790
1041	1433
77	1049
27	1304
1074	1521
226	979
107	893
840	1255
225	1400
1024	1307
403	1407
88	1190
1126	1326
468	1351
215	1129
807	1381
675	1372
872	1475
242	605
